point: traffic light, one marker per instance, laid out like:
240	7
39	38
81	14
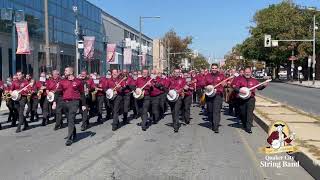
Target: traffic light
267	40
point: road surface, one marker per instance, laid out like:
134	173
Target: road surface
306	99
129	153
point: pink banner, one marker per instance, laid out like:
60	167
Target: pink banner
23	38
88	44
127	55
111	52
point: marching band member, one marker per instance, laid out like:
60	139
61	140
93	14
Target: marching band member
144	104
214	104
187	100
52	85
177	83
237	99
97	87
126	94
1	91
21	85
164	81
107	103
156	90
34	100
247	105
230	95
72	93
200	83
87	85
9	102
134	105
29	104
116	84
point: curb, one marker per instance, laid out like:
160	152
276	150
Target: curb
306	161
306	86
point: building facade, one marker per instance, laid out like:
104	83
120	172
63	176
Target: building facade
159	55
92	20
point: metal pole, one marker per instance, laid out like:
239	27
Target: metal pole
292	66
104	70
168	59
46	24
77	50
140	29
13	52
314	50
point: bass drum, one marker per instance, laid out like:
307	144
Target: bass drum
172	95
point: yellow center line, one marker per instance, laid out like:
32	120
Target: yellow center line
252	154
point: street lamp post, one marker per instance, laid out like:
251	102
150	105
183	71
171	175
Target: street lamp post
314	50
76	31
140	29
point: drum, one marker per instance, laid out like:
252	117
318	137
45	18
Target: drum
50	96
111	94
138	93
173	95
244	93
210	91
15	95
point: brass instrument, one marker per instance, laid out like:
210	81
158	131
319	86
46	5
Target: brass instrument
7	96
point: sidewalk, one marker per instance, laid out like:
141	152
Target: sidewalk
306	127
306	84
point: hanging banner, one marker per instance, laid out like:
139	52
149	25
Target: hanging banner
88	47
127	55
111	52
143	59
116	59
23	38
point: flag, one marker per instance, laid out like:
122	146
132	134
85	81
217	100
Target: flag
111	52
88	47
127	55
23	38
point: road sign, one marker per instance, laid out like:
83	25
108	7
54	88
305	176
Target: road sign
299	68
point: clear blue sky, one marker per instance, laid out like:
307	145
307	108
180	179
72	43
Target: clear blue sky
216	25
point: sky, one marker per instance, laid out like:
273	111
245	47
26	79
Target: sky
215	25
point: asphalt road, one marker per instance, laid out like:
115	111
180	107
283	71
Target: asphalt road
129	153
306	99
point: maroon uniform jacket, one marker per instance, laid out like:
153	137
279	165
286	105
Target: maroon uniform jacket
213	79
112	82
246	82
177	83
98	83
19	84
129	85
200	81
157	87
72	90
191	88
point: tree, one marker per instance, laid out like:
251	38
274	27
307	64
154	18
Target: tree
282	21
200	62
177	44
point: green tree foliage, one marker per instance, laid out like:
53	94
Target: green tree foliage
282	21
200	62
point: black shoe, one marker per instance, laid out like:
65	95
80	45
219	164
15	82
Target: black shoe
187	122
69	142
44	122
0	127
18	130
84	127
25	128
216	131
144	129
176	130
13	125
154	122
114	128
125	122
57	127
249	131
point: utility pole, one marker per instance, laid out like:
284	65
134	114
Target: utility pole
47	47
314	50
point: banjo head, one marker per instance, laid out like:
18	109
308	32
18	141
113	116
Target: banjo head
138	93
110	94
210	91
50	96
244	93
15	95
172	95
276	144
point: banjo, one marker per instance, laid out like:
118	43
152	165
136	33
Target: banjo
15	95
276	144
245	93
139	92
211	90
50	95
112	93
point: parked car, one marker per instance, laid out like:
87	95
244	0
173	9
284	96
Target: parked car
283	75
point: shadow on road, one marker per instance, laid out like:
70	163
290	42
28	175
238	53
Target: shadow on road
83	135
